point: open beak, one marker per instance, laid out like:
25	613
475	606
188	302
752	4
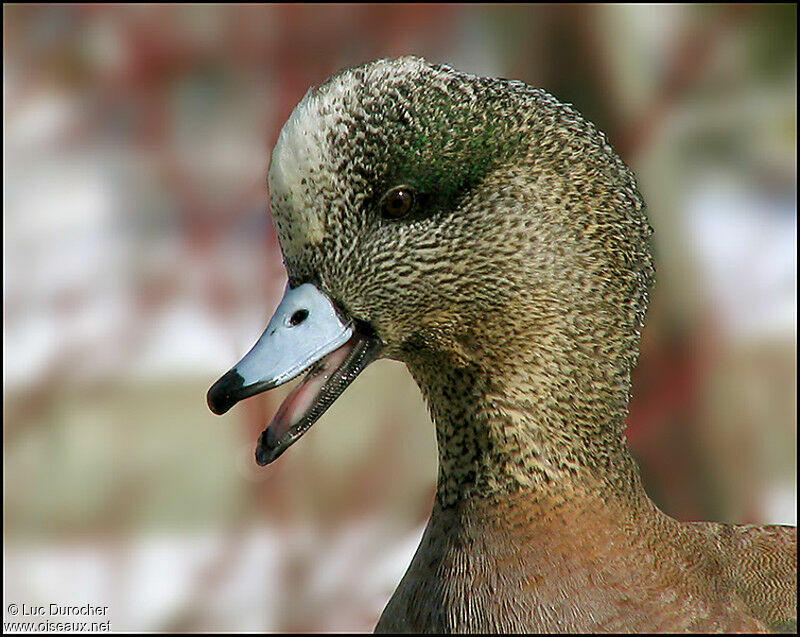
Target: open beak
305	332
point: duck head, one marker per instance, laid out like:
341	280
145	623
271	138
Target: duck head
456	223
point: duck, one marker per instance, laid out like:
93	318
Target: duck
490	238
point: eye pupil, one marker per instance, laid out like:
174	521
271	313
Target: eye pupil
398	202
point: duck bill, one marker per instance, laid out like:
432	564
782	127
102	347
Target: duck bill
305	333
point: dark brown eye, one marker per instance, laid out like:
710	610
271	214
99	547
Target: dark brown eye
398	202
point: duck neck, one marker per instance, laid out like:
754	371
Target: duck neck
521	429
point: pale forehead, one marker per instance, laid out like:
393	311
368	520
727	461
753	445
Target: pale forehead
301	148
302	154
300	157
304	163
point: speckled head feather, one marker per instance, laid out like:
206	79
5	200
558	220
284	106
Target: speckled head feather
528	228
514	290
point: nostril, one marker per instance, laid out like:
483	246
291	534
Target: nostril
298	317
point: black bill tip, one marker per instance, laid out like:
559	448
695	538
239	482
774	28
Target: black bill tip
225	393
268	449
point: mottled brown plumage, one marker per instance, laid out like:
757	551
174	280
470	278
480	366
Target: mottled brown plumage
514	291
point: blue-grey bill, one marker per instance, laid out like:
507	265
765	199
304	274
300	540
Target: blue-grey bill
305	332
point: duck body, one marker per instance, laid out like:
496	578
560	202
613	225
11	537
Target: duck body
526	535
490	238
581	566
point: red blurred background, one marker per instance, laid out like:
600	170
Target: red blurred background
140	263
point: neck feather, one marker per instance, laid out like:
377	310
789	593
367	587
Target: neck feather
520	428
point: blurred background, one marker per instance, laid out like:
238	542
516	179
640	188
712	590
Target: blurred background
140	263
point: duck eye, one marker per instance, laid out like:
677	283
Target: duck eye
398	202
